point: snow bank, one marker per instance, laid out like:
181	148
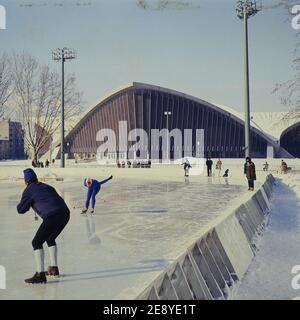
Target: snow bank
270	273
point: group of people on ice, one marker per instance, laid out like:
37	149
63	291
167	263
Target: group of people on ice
51	207
249	170
209	165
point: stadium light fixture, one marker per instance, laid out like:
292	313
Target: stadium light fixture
63	55
246	9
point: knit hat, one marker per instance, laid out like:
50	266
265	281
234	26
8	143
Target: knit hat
29	175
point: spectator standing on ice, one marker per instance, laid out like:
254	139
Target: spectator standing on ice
46	202
186	167
209	164
219	167
249	171
94	187
283	167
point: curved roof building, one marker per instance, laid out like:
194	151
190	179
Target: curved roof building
145	106
290	139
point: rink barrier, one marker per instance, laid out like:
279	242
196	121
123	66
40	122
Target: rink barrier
212	267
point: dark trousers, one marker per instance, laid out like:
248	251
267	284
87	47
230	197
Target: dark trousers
208	171
49	230
251	183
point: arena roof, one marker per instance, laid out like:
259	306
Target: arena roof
268	124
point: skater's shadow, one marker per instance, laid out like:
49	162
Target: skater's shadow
156	265
91	231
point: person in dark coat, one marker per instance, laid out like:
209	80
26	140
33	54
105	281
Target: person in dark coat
249	171
47	204
94	187
186	167
209	164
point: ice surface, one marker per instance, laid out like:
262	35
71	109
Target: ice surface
138	228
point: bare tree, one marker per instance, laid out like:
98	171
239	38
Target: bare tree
37	98
5	82
289	91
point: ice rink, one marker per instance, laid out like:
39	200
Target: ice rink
139	227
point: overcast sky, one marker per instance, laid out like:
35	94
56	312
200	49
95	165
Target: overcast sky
196	50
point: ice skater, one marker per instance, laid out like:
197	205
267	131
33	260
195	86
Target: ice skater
186	167
94	187
46	203
225	175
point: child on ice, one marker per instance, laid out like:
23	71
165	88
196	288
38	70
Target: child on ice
94	187
46	202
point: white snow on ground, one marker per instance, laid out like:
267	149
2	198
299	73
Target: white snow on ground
269	275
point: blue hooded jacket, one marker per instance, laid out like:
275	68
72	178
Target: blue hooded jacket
43	199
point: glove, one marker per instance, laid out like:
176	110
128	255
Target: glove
111	177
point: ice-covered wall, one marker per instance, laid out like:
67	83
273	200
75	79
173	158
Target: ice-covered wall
212	267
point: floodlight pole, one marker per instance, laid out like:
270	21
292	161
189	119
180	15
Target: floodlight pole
246	9
63	55
62	144
247	90
167	114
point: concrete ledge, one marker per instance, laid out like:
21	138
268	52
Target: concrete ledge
212	266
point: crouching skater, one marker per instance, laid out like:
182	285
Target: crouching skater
46	202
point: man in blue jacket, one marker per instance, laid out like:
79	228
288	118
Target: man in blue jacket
46	202
94	187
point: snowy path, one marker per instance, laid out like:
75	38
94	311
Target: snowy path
269	275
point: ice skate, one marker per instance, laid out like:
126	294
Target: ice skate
39	277
92	211
52	272
84	211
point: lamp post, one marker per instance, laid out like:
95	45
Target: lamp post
63	55
167	114
245	9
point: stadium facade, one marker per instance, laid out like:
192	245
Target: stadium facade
290	140
152	107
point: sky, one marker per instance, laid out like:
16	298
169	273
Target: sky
197	50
